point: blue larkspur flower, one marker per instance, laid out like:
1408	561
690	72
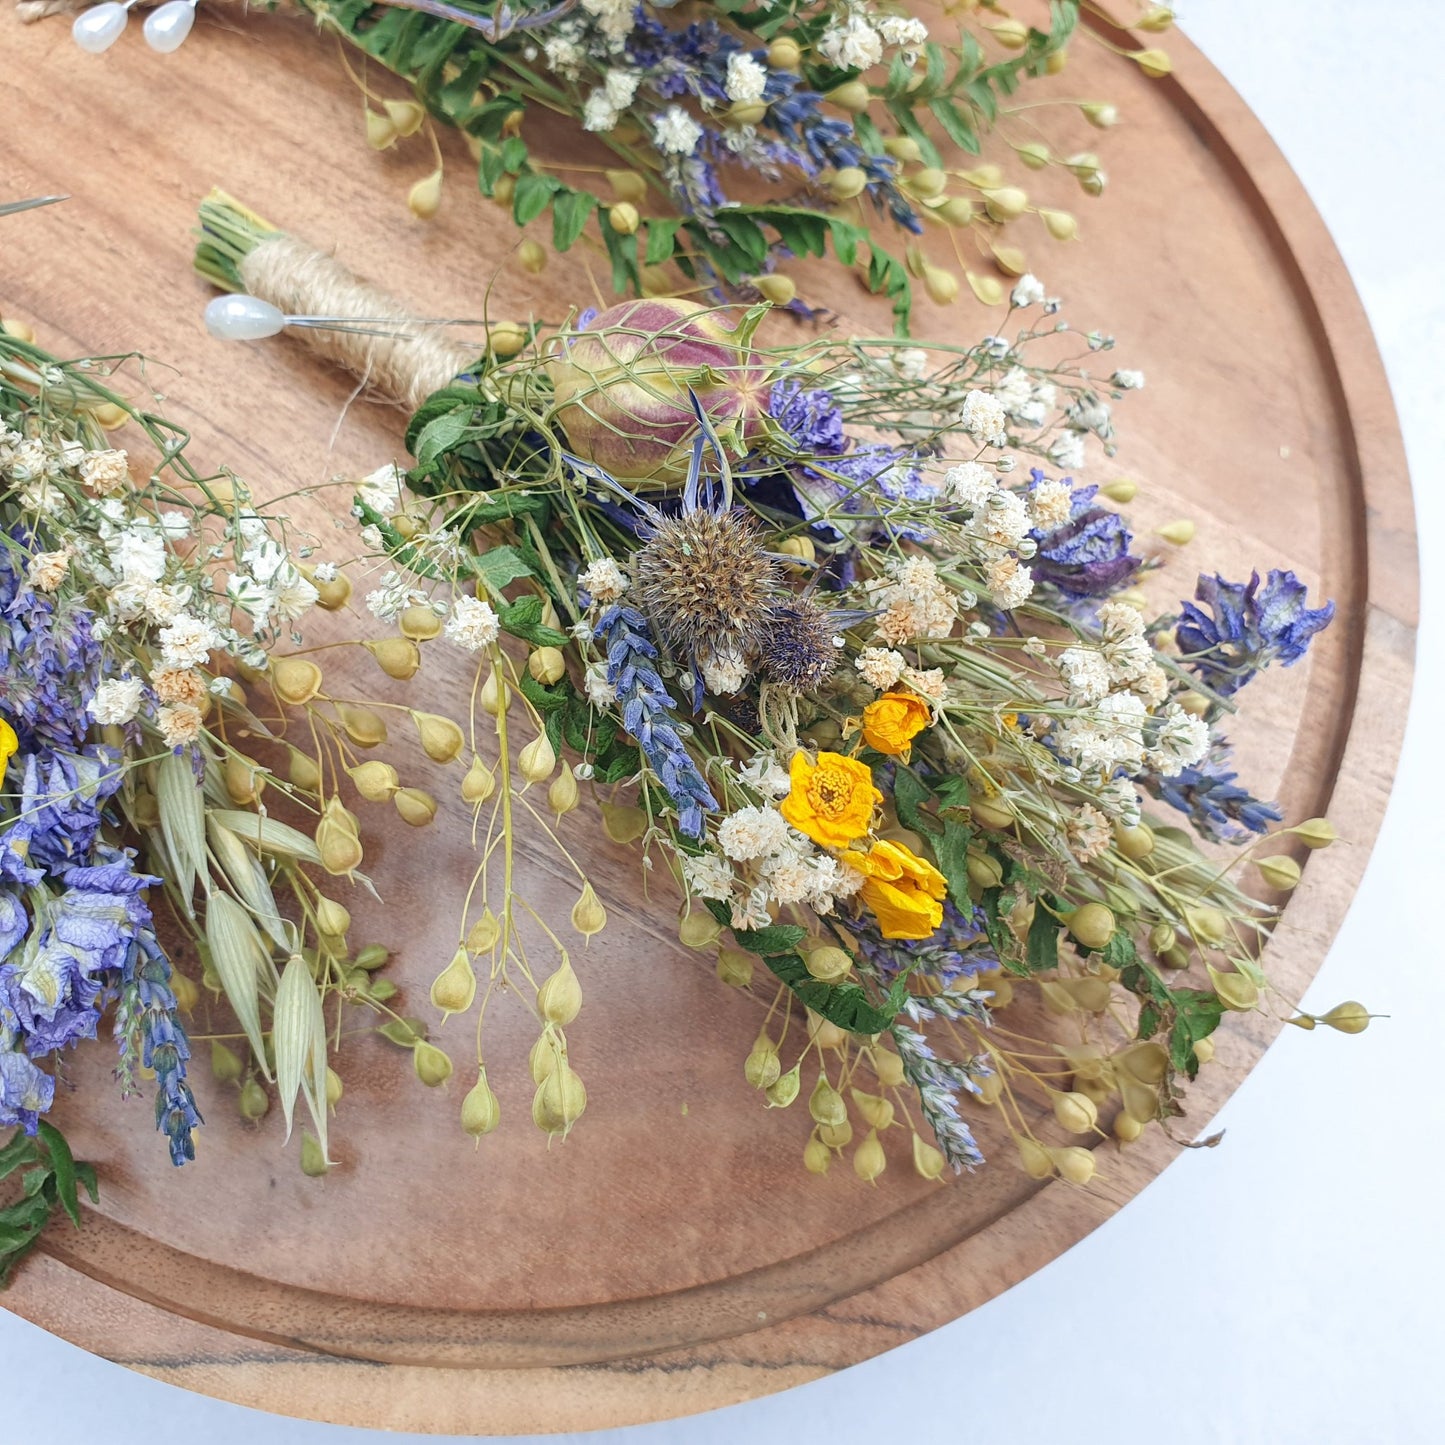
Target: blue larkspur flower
25	1091
1088	555
809	415
1247	627
1210	794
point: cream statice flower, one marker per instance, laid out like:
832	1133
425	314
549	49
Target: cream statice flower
1088	832
1181	741
970	484
1085	674
746	78
750	833
852	44
916	603
983	418
928	683
603	581
180	725
880	667
105	473
472	624
46	570
117	701
187	642
676	132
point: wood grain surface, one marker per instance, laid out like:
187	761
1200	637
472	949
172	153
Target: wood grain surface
672	1256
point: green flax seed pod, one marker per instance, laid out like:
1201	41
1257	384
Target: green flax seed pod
1347	1018
928	1161
334	1088
1073	1163
817	1156
441	738
784	1089
869	1160
1234	990
479	784
225	1063
1076	1112
481	1113
254	1101
313	1160
295	680
1315	833
734	967
559	1101
375	780
431	1064
1281	872
828	963
455	987
1091	925
397	657
416	806
559	1000
826	1104
762	1068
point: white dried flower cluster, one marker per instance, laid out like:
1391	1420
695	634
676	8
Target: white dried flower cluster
615	19
915	602
1067	451
880	667
676	132
1124	645
970	484
851	44
1028	290
928	682
765	773
105	473
1128	380
751	833
1109	736
603	581
1180	741
911	363
117	701
1050	504
746	78
983	417
604	107
1085	675
472	624
381	491
724	673
1025	398
1089	832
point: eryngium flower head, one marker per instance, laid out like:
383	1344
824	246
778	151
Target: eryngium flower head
797	650
706	584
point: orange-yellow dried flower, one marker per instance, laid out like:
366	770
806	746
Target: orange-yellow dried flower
904	891
832	800
892	722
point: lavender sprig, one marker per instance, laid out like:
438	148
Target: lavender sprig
648	713
938	1082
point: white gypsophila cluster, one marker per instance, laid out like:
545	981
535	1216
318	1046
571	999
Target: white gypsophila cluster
117	701
395	594
382	490
1089	413
851	44
1010	582
724	673
1128	380
325	572
1120	800
1124	645
1050	504
676	132
1180	741
104	473
765	773
970	484
927	682
615	19
1026	400
880	667
916	602
1151	686
188	641
1002	521
750	833
603	581
1067	451
472	624
565	52
1085	674
600	692
1028	290
708	875
746	79
983	417
1109	736
911	363
902	31
604	107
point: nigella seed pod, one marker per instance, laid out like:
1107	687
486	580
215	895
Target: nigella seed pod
1154	63
826	1104
493	696
416	806
624	218
828	964
481	1113
784	1089
848	182
332	918
941	285
1282	872
225	1063
375	781
1060	225
836	1136
479	784
559	1101
536	761
441	737
1092	925
397	657
589	917
624	387
1315	833
364	727
622	822
762	1068
425	197
780	290
295	680
532	258
1208	924
380	132
852	96
406	116
559	1000
928	1161
431	1064
785	53
869	1160
1126	1128
817	1156
484	933
254	1102
455	987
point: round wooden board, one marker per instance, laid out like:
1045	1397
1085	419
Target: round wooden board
672	1256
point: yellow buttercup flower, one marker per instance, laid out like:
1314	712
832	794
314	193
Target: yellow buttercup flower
832	800
891	723
9	743
904	891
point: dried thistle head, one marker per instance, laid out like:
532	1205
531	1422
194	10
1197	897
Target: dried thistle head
706	583
796	650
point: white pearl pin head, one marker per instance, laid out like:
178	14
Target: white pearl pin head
167	26
243	318
97	29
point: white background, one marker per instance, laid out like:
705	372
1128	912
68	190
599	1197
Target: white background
1286	1286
